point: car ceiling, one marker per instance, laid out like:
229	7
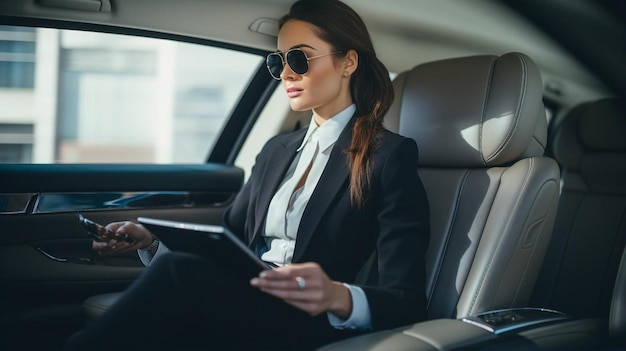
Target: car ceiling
405	32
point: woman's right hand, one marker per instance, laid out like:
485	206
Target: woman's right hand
139	233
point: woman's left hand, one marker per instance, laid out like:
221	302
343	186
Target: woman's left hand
307	287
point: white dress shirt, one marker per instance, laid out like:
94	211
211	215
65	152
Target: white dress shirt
288	204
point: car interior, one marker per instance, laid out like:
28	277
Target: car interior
517	108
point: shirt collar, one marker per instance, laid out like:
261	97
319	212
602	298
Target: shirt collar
329	132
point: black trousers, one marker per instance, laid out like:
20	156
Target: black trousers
186	302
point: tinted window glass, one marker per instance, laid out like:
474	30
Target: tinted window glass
84	97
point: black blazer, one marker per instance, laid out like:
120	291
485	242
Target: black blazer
394	221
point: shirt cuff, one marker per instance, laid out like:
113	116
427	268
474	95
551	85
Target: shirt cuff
147	257
360	318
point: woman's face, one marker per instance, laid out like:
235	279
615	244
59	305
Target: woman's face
324	88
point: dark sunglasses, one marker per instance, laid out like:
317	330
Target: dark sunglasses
296	59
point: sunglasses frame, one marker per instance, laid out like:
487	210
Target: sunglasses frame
283	59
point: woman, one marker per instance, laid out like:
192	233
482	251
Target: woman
319	202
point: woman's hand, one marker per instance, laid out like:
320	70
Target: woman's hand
114	246
307	287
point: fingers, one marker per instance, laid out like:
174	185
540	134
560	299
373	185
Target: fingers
303	285
287	283
117	245
311	300
122	228
114	226
294	270
292	277
111	247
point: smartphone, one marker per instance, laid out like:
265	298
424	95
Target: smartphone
100	233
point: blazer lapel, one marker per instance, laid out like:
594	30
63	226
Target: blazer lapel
335	176
280	161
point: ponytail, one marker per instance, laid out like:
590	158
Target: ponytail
373	94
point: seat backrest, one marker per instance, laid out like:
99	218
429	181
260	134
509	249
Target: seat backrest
589	234
617	315
480	126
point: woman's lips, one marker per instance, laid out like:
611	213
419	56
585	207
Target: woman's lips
293	92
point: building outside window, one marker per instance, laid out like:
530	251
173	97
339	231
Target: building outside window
83	97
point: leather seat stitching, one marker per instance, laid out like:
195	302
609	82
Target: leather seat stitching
517	114
442	258
485	270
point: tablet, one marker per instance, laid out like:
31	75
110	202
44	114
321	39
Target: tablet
212	241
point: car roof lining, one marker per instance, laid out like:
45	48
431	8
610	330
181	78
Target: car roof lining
476	27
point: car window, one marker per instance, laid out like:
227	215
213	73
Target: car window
87	97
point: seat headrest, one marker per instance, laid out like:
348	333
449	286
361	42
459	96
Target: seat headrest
591	127
472	111
588	143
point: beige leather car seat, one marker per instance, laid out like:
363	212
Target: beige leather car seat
589	143
481	130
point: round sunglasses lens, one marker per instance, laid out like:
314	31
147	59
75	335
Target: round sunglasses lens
296	59
275	65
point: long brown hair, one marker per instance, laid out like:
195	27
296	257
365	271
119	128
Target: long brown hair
370	85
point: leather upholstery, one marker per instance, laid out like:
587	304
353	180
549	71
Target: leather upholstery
481	130
590	231
617	316
585	333
472	112
439	334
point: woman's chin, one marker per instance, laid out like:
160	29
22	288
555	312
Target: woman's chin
297	106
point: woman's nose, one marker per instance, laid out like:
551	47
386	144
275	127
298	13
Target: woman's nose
287	73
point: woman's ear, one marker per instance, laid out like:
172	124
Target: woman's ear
351	62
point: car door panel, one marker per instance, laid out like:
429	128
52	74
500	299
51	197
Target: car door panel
47	266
